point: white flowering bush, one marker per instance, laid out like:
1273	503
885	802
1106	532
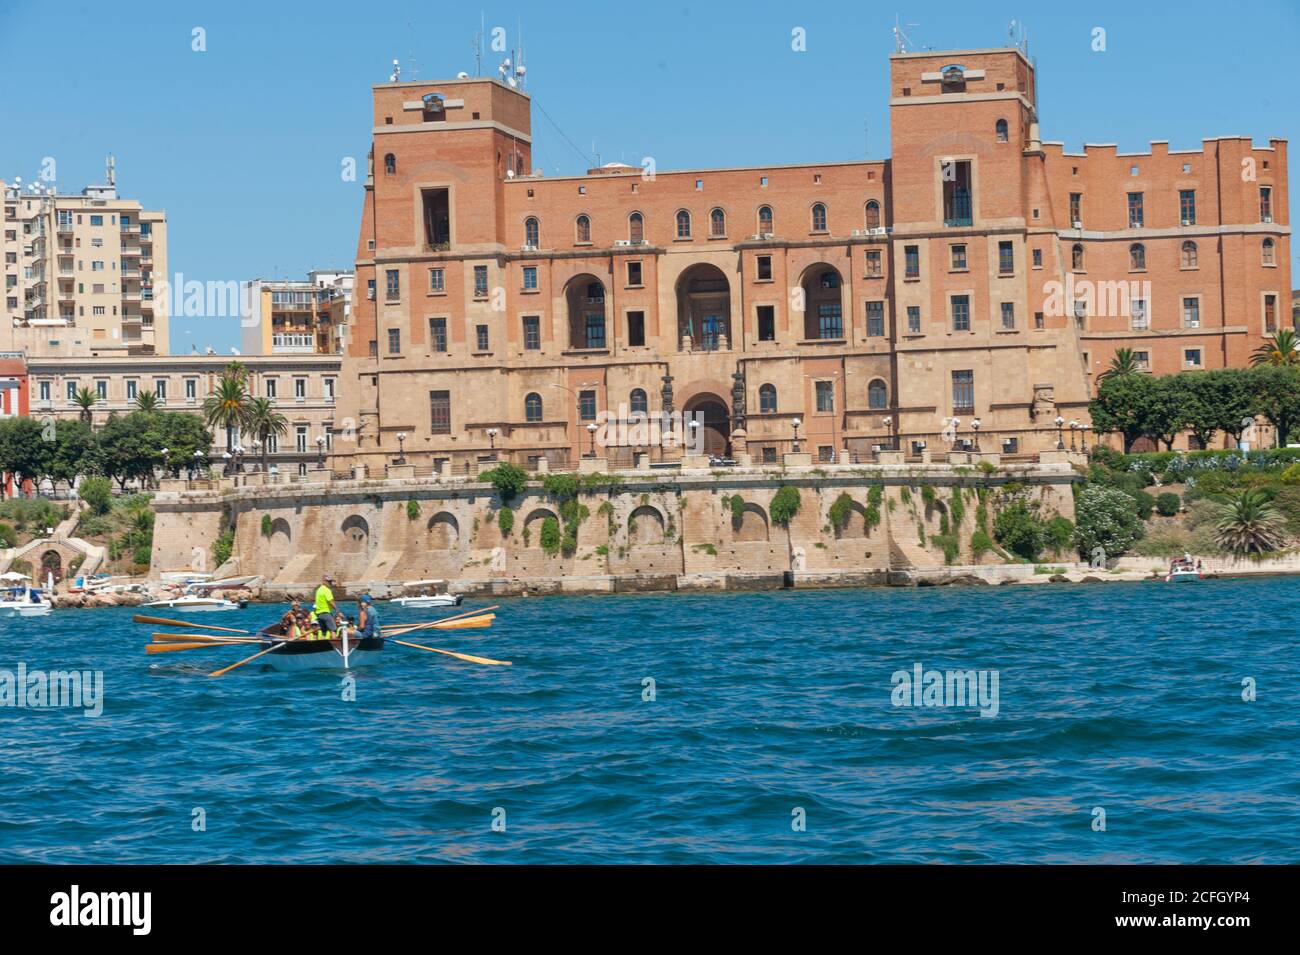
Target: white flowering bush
1106	518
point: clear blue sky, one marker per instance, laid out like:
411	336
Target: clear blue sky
242	144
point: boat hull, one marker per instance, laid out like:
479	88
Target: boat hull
30	610
181	606
423	603
325	654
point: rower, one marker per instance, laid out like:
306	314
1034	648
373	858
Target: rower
367	618
325	608
290	622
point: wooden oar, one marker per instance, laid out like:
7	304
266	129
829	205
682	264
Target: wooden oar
206	638
169	647
225	670
164	622
473	623
467	613
459	656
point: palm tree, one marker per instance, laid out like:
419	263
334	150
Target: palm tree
263	420
1249	523
227	406
1280	348
1124	363
85	399
146	401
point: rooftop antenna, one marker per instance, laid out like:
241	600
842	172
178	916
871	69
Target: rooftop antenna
112	170
478	45
901	40
411	55
397	72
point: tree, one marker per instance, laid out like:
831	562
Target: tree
1231	394
1280	348
1277	397
75	452
1124	363
1165	414
1125	404
98	493
85	399
227	406
1106	522
264	421
26	449
128	448
146	401
1019	529
1249	524
1197	398
183	436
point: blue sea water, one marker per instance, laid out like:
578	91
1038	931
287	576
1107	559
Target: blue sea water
1123	697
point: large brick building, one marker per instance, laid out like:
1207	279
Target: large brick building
979	273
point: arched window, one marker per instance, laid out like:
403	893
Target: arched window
767	399
1137	256
584	229
533	407
1076	257
1189	255
638	401
818	217
873	214
764	220
636	227
1267	251
390	164
717	223
1001	128
877	395
683	224
531	232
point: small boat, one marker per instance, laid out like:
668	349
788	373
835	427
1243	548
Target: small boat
321	654
20	599
430	597
192	603
1182	575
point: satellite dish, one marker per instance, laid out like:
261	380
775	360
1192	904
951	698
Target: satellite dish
512	81
462	75
510	174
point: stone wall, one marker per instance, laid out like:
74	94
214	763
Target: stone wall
647	531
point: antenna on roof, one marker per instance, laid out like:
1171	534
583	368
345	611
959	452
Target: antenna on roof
901	40
112	170
478	45
397	72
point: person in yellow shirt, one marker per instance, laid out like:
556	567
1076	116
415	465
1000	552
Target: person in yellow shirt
325	608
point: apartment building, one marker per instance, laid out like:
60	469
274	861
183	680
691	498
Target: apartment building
303	387
294	317
80	272
969	288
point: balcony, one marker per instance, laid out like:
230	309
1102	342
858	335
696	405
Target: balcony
65	227
293	344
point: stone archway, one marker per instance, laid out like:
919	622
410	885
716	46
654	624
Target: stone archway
51	563
444	531
356	535
645	526
715	424
704	308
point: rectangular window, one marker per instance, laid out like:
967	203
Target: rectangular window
1076	210
438	334
873	263
876	319
329	389
1142	359
160	388
914	319
825	454
1270	313
963	392
595	330
830	321
1135	216
393	277
1191	313
767	323
959	257
1265	203
300	438
530	278
480	281
957	206
825	396
1192	357
72	390
1138	314
1038	319
101	390
764	268
440	412
370	289
394	341
271	387
1008	316
45	391
481	337
1038	258
532	333
961	313
912	261
437	218
437	280
300	388
634	273
191	389
587	405
1187	206
132	389
1006	258
636	328
96	220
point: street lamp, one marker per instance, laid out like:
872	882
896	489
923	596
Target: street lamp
795	447
591	430
320	448
1074	427
225	467
195	465
492	441
1060	440
975	423
956	426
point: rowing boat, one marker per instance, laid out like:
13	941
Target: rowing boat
322	654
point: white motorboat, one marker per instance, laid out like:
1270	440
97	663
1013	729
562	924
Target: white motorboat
429	598
193	603
19	599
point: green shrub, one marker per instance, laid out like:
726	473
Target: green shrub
562	487
905	494
980	543
142	554
508	480
1107	518
1145	503
267	524
1058	534
1019	529
948	542
506	521
1168	504
928	495
957	508
221	549
785	504
875	494
98	493
550	537
413	510
1291	475
840	511
8	536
